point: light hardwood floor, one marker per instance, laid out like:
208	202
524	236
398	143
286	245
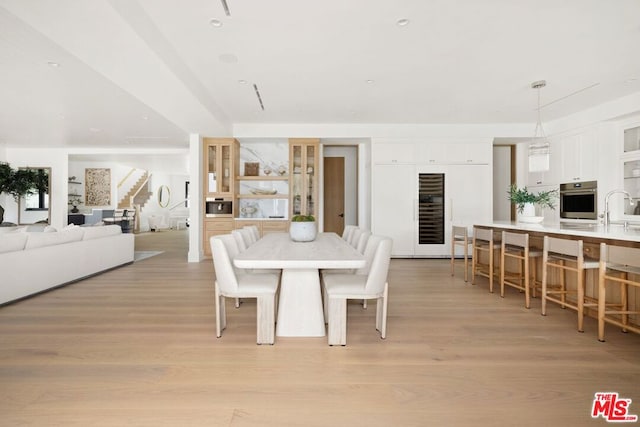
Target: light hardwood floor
136	346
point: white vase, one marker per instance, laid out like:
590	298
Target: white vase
528	214
303	231
529	210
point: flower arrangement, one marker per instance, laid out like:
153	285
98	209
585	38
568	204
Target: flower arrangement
521	196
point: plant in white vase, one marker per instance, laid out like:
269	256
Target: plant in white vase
303	228
527	201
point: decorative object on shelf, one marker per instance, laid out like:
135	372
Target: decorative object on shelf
248	210
251	169
527	201
263	191
539	147
75	200
282	170
98	191
267	170
303	228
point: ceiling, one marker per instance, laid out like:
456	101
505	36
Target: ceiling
146	73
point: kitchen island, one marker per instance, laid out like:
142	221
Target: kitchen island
592	235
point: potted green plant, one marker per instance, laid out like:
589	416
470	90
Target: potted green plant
18	182
303	228
526	201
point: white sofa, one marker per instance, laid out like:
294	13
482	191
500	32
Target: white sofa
32	262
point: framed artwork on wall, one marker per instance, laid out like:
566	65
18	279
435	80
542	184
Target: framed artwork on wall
98	186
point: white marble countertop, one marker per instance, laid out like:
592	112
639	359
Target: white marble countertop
599	231
277	250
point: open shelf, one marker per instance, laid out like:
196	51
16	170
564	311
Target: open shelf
264	178
263	196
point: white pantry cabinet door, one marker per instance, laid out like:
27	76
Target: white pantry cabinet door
470	189
394	205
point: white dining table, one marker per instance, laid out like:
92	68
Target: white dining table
300	311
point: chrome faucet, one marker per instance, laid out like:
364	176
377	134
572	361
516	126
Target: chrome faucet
606	218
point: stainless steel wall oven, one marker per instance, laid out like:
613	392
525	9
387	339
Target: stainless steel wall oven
579	200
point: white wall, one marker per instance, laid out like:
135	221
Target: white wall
501	182
196	205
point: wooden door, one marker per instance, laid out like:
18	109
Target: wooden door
334	194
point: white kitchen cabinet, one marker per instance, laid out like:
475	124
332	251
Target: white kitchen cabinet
631	170
431	153
396	205
572	158
579	154
394	153
479	153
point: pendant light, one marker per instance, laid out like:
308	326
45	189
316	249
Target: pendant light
539	148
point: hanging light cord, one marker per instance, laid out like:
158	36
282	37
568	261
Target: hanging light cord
541	144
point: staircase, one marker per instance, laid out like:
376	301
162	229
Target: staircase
139	194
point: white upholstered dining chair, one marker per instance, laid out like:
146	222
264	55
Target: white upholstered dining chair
346	233
233	283
244	237
339	288
354	238
362	241
255	233
368	253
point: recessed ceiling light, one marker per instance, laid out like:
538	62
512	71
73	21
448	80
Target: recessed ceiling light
215	23
402	22
53	64
242	82
370	81
145	117
631	80
94	130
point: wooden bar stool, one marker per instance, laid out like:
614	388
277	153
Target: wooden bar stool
484	242
460	237
516	246
555	254
616	264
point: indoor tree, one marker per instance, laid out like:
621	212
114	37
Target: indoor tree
20	182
